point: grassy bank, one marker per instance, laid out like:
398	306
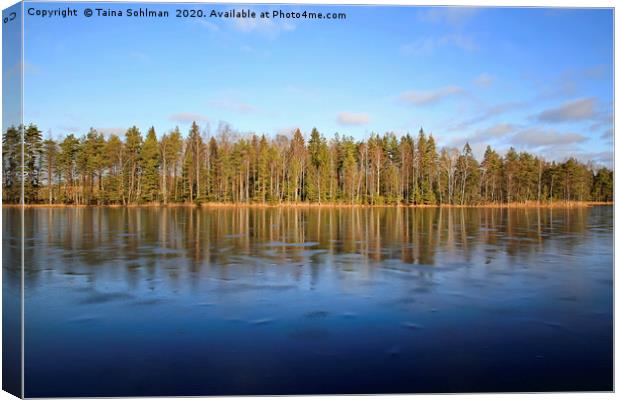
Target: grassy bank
530	204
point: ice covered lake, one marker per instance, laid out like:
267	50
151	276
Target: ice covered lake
189	301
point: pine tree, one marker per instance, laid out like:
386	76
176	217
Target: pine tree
50	155
511	167
33	150
318	167
602	188
263	176
133	144
193	163
67	161
349	169
149	167
90	165
249	168
113	183
430	166
12	164
491	175
297	159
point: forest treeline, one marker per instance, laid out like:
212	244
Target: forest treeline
228	167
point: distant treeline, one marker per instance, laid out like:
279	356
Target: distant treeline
229	167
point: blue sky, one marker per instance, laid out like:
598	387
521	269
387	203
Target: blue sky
536	79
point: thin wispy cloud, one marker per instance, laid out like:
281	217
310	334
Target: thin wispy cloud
536	137
490	112
567	83
454	16
603	120
262	26
564	153
429	97
69	128
108	131
265	27
188	118
484	80
596	72
428	45
206	24
348	118
485	135
562	88
494	131
575	110
608	134
599	157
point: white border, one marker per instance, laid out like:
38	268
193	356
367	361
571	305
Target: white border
481	3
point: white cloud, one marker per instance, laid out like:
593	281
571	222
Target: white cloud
603	157
575	110
484	136
187	118
484	80
562	154
490	112
347	118
535	138
428	97
493	132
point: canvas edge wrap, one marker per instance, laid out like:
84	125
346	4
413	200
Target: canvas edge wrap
13	245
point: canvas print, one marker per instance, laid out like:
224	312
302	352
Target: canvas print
205	199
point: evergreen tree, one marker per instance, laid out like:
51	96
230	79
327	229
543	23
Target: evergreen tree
50	155
231	167
149	167
113	183
263	186
67	161
33	150
297	160
318	168
90	165
131	173
491	170
602	188
12	165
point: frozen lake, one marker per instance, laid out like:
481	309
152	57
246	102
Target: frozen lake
186	301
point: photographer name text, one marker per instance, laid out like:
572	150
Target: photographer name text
70	12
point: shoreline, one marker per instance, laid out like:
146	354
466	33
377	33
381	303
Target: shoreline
556	204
